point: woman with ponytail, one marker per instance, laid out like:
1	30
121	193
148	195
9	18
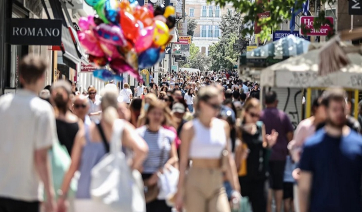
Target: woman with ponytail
251	155
68	124
90	147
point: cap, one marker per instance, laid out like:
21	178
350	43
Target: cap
228	91
178	108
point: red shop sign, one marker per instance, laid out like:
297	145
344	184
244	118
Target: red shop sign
308	21
87	68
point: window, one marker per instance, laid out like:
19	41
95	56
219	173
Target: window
203	31
211	11
204	11
209	33
217	11
192	12
331	12
217	32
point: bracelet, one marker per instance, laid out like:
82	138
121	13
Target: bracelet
61	194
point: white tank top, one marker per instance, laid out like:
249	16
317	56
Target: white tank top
208	142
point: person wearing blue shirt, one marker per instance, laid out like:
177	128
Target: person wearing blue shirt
331	162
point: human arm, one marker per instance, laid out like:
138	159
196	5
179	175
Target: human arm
45	136
269	140
79	142
186	136
132	140
288	127
173	161
231	172
304	189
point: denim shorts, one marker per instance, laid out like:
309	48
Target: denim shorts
228	189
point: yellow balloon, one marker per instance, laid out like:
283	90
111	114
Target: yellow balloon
161	33
169	10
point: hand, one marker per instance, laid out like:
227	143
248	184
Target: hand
62	205
272	138
167	167
295	151
179	201
296	174
50	205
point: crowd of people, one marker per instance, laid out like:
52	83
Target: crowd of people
210	127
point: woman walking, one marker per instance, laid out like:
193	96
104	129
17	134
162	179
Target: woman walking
90	147
162	155
189	97
252	155
204	141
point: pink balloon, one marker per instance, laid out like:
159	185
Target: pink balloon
86	23
120	66
111	34
90	43
144	40
110	50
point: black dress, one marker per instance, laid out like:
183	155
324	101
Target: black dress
66	133
253	183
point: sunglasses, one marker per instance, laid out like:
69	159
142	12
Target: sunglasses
77	106
91	93
254	115
214	106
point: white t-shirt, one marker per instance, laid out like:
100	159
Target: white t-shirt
27	123
111	86
125	95
94	107
140	90
189	99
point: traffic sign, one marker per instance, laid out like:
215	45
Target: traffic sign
168	50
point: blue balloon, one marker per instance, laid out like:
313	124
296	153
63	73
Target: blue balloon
106	75
148	58
111	10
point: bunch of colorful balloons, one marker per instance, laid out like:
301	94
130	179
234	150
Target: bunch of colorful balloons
126	36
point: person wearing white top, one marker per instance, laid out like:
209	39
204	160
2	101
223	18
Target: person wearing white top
94	112
189	98
139	89
126	94
111	85
27	129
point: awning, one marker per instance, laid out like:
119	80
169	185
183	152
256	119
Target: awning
275	52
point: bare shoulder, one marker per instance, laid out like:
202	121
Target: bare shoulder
188	126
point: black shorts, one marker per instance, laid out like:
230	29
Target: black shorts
7	205
288	190
276	174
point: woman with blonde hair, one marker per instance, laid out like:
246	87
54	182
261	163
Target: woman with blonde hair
91	145
163	153
251	155
126	94
205	142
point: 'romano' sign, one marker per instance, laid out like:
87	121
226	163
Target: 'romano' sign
35	32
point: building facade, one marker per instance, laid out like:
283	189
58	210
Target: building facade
208	18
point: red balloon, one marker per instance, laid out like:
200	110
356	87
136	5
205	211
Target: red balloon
129	25
144	15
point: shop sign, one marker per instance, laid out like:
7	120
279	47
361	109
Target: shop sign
185	39
87	68
282	34
354	7
308	21
251	48
35	32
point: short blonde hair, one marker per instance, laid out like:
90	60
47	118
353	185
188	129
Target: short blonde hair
125	85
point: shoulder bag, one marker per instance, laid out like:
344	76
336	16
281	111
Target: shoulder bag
113	183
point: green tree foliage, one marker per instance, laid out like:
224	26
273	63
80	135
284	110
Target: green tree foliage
196	59
222	53
191	26
280	10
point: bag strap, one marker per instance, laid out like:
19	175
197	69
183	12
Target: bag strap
163	148
104	140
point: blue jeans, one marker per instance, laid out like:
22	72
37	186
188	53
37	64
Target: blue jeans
191	108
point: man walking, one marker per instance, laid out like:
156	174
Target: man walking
280	122
27	129
331	162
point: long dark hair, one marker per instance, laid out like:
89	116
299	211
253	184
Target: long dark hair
189	92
